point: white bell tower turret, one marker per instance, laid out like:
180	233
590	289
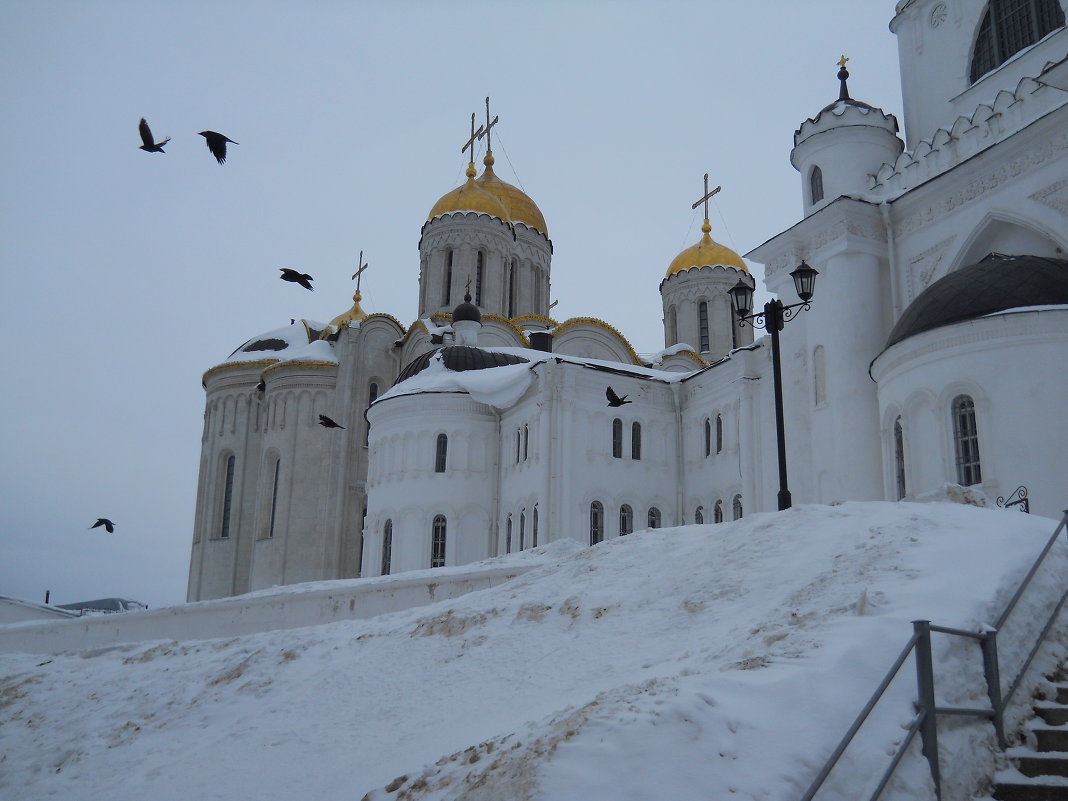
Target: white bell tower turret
839	150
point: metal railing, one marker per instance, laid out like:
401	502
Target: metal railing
925	721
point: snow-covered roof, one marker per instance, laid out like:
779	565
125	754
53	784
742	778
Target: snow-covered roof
281	343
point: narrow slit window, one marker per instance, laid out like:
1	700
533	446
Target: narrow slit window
448	277
717	512
522	529
654	517
737	504
966	441
617	438
702	312
387	547
441	453
437	543
596	522
899	458
626	520
480	263
534	529
815	184
635	440
699	515
719	433
228	497
274	496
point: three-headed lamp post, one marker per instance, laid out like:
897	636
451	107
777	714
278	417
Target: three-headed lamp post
772	320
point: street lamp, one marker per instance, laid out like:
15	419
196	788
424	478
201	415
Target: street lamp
772	319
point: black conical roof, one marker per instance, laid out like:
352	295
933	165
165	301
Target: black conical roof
459	358
994	284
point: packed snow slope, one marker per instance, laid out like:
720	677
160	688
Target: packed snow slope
701	662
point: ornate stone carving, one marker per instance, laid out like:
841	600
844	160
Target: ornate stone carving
924	266
1055	196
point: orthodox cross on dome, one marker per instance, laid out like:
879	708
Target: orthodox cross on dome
706	197
475	136
360	267
843	74
485	130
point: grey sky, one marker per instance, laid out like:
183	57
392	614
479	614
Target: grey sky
127	274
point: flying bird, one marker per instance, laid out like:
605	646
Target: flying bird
614	399
150	144
297	278
109	527
217	144
326	422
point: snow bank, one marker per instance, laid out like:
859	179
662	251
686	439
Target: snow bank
718	661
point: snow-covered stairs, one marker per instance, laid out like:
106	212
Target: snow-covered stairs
1040	773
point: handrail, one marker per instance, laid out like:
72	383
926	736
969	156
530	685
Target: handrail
926	709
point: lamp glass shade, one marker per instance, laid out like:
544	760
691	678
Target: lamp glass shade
804	281
741	298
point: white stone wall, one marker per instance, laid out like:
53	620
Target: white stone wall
1010	364
935	52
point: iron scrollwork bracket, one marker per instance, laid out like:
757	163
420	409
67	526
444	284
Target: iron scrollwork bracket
1017	498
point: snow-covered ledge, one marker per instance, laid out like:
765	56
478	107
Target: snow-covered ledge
292	606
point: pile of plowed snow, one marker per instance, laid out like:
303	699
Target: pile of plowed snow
717	661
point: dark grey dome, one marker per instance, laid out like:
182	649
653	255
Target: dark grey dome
466	311
459	358
995	283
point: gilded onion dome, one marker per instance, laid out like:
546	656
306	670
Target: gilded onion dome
470	197
355	314
706	252
519	205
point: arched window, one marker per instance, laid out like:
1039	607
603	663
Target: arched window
737	505
719	433
819	375
702	313
440	454
708	437
596	522
522	529
617	438
635	440
899	458
717	512
1008	27
387	547
815	184
480	262
654	517
526	441
274	496
672	327
966	441
699	515
228	497
534	529
437	542
448	277
372	396
626	520
508	535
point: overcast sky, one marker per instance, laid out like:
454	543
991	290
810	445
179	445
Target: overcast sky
127	274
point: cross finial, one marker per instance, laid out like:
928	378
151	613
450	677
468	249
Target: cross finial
485	129
842	61
360	267
467	286
706	197
475	135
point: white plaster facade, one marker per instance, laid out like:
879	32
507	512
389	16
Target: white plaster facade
984	169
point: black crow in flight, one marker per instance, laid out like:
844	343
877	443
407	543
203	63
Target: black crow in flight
614	399
150	144
297	278
217	144
109	527
326	422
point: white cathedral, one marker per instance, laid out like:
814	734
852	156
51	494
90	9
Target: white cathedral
934	352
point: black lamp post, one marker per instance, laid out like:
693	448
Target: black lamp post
772	320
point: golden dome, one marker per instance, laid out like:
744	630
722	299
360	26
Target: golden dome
707	251
470	197
519	205
354	314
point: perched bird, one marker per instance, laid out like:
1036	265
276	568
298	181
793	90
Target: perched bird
297	278
326	422
217	144
614	399
109	527
150	144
